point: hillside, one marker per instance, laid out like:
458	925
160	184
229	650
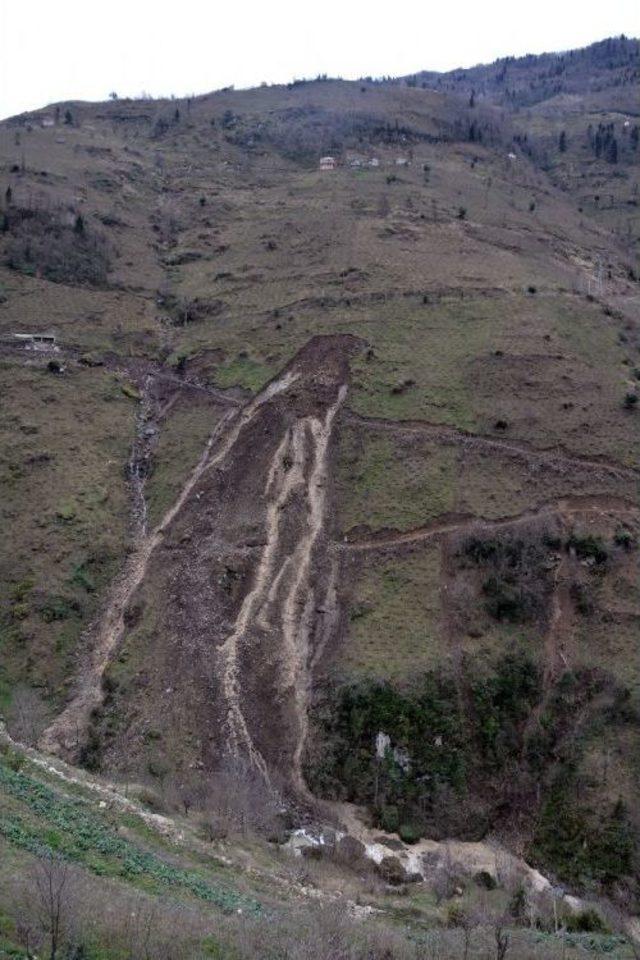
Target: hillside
326	493
607	71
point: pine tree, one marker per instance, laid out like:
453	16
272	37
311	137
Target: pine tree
598	144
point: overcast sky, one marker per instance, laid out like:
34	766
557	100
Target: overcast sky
55	50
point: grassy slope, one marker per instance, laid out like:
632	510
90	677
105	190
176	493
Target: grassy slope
65	441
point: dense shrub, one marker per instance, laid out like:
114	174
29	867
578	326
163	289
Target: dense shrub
41	242
388	818
409	832
426	723
581	847
186	310
440	745
582	599
506	600
458	758
502	702
516	585
586	921
624	538
58	608
588	547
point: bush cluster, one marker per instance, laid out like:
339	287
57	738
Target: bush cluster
462	757
516	584
41	242
441	745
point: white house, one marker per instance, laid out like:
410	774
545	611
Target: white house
327	163
46	339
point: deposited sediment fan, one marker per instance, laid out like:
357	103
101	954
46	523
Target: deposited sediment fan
208	645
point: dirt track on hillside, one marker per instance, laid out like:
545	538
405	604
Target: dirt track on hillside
556	456
568	507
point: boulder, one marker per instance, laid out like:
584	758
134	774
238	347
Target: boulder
350	851
391	870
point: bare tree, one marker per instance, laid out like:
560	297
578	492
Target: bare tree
445	880
237	800
144	929
501	937
26	929
469	920
27	716
87	909
50	890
